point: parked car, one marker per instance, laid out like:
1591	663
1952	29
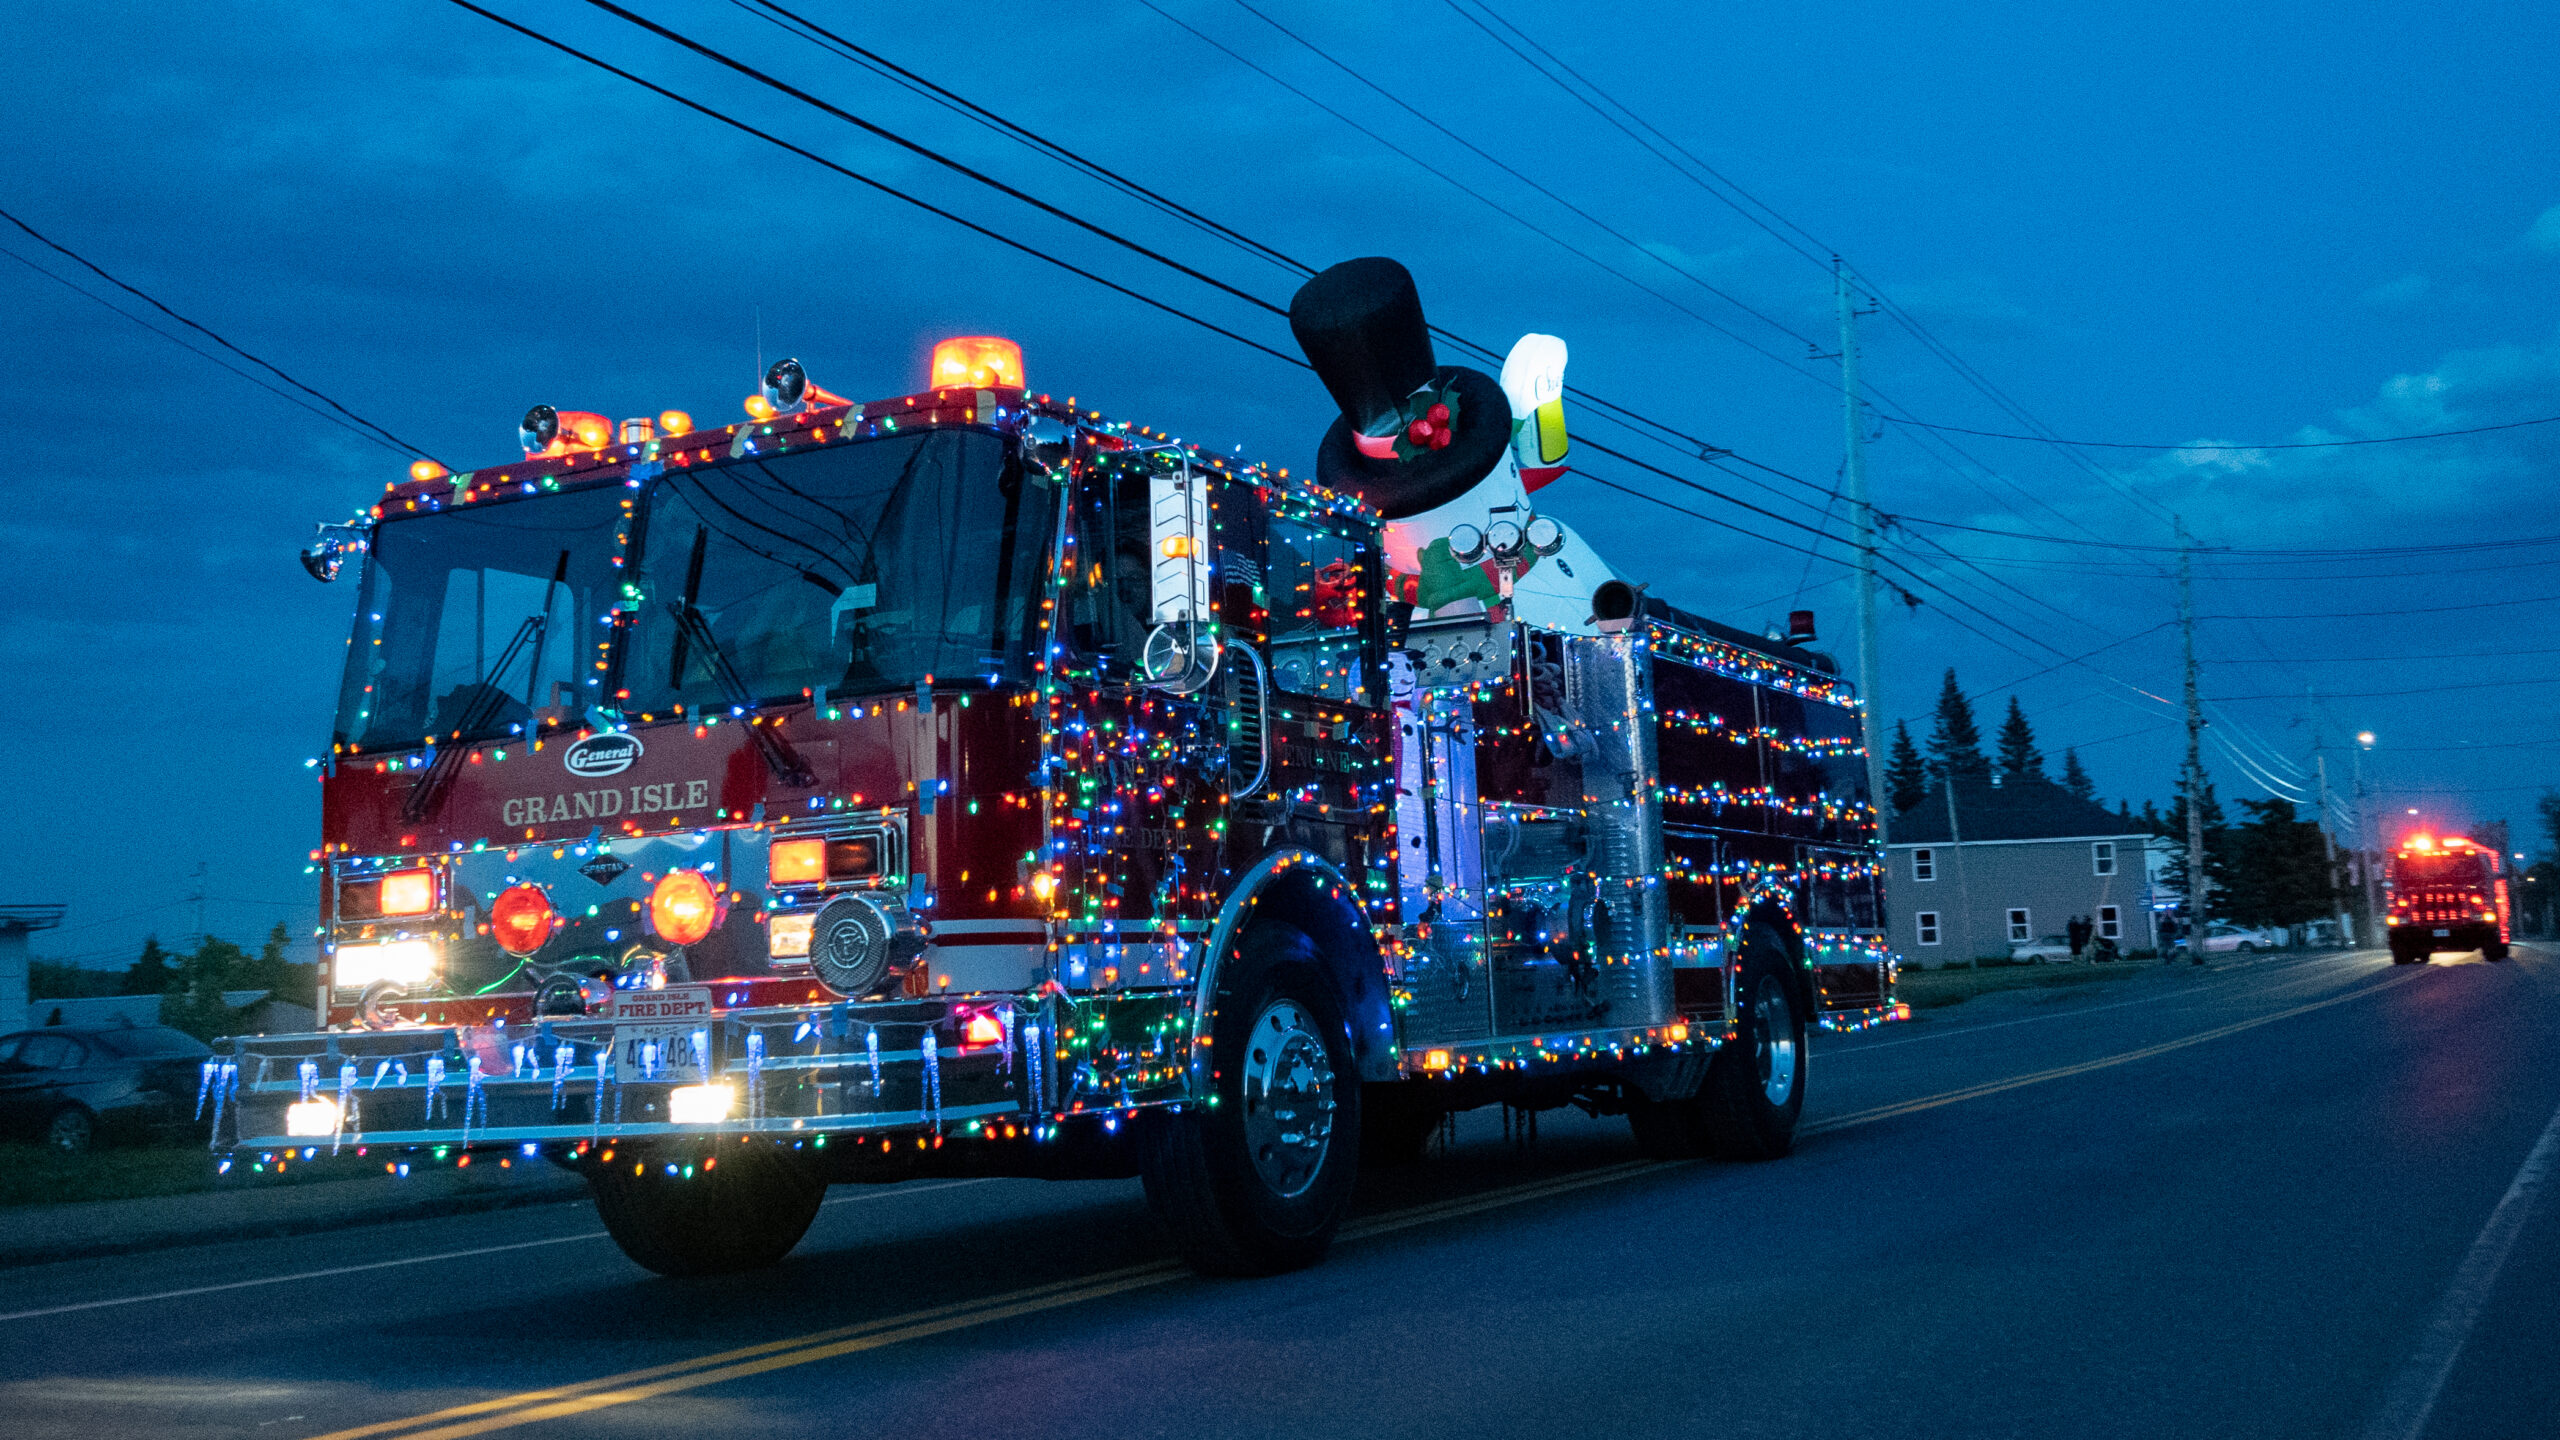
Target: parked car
72	1087
2036	952
2223	937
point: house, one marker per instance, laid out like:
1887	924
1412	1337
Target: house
2006	864
261	1012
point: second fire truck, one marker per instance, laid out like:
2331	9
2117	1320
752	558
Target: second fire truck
964	783
2447	893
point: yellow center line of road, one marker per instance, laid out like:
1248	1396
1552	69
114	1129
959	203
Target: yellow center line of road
2104	1062
631	1386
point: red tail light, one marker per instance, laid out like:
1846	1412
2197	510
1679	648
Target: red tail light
521	919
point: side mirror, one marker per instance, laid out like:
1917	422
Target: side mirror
1181	650
331	547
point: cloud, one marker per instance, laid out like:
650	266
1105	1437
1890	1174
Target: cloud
2545	234
2399	294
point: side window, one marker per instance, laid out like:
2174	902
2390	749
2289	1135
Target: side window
2110	923
2020	930
1316	582
1110	593
1928	926
2102	857
1924	864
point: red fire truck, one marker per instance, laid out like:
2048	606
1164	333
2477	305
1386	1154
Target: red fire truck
965	783
2447	893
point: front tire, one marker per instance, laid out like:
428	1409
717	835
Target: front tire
741	1208
1256	1182
1754	1090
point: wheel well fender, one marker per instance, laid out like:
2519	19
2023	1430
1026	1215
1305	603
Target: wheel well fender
1304	890
1772	915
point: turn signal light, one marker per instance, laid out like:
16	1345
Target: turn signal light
521	919
685	908
975	361
797	862
981	1029
408	892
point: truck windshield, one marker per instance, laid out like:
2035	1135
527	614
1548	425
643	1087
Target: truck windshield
2456	869
852	569
468	620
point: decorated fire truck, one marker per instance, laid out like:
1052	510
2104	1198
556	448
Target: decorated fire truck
966	783
2447	893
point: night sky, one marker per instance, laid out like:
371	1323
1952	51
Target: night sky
2167	223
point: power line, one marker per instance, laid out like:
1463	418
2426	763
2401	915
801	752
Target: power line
2217	445
2374	551
2395	694
2404	610
205	355
155	303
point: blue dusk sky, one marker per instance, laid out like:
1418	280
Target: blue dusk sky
2180	224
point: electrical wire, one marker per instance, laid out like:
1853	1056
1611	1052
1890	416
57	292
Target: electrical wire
2223	446
156	303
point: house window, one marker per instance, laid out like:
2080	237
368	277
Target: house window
2020	931
1928	926
1924	864
2110	923
2102	858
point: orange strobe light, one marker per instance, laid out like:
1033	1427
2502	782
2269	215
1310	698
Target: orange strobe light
521	919
797	862
685	908
970	361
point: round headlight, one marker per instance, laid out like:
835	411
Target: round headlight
685	908
521	919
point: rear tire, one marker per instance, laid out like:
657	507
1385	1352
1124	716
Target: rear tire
71	1129
1754	1093
743	1208
1257	1181
2494	950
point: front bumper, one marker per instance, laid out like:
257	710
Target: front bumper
919	1065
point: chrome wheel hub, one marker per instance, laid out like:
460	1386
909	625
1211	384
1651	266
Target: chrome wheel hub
1776	1023
1288	1098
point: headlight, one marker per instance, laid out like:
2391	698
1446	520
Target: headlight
410	964
311	1119
700	1104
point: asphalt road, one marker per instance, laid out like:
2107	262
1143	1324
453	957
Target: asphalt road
2295	1196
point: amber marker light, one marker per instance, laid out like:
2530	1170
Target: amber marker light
797	862
425	470
684	909
408	892
970	361
1435	1059
675	422
521	919
759	408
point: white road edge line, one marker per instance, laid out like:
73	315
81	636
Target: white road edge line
2411	1399
881	1194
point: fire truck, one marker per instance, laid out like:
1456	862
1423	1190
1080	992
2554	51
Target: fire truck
2447	893
967	783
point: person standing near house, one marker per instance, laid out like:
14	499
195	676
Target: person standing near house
2079	931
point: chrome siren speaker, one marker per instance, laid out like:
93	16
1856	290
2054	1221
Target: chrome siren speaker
854	941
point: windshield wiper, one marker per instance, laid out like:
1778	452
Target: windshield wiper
779	757
428	793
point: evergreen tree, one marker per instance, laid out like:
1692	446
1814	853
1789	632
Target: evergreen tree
270	971
2019	757
152	974
195	1003
2278	872
1955	742
2151	820
2077	781
1906	775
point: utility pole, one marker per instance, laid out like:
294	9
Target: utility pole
2195	750
1964	887
1853	439
2329	848
2368	855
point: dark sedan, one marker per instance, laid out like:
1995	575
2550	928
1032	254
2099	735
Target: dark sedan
73	1087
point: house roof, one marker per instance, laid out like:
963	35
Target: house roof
2023	809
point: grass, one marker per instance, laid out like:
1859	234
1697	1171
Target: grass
1936	989
41	1175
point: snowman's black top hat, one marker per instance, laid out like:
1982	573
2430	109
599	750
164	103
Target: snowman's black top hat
1361	324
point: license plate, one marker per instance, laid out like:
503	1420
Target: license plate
664	1018
2444	934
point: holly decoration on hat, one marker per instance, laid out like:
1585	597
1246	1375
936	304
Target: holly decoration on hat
1430	423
